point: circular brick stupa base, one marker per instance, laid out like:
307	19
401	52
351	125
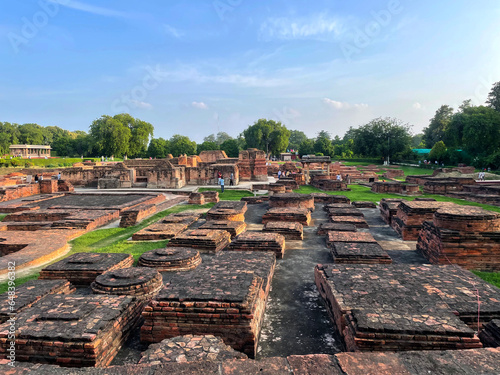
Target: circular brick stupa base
140	282
190	348
467	219
171	259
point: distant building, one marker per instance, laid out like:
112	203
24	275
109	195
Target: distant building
34	151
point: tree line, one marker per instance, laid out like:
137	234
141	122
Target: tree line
471	134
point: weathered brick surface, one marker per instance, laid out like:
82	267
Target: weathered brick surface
300	215
292	200
364	204
351	211
204	197
252	165
256	200
403	307
324	228
185	217
388	208
490	335
29	293
289	230
228	210
83	268
204	240
71	330
328	184
334	206
234	228
358	221
391	187
8	193
256	241
159	231
171	259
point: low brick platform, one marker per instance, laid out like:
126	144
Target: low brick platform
291	231
132	216
256	200
340	199
140	282
352	211
323	198
329	185
29	293
324	228
189	348
299	215
388	208
203	240
467	236
358	221
159	231
73	331
292	200
257	241
405	307
184	217
171	259
276	188
411	215
334	206
490	335
390	187
356	247
204	197
228	210
234	228
364	204
362	237
83	268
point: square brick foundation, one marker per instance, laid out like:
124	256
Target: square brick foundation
357	221
258	241
203	240
228	210
234	228
291	231
299	215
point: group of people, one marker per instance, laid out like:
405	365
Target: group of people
222	183
283	174
481	175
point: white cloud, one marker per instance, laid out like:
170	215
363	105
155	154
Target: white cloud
142	105
417	106
78	5
343	105
319	26
199	105
176	33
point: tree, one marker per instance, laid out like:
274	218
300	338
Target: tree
323	144
306	147
206	146
296	138
267	135
438	151
417	141
140	132
180	145
231	148
438	125
493	100
109	137
222	137
481	130
381	137
82	144
158	148
209	138
9	135
31	134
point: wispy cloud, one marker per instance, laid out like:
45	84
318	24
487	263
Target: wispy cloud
319	26
417	106
199	105
176	33
100	11
142	105
343	105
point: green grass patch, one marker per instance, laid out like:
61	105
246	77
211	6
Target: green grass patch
490	277
114	240
2	216
230	194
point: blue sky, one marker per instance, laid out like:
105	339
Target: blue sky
197	67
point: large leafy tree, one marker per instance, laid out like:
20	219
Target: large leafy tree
158	148
306	147
493	100
481	130
381	137
207	146
109	137
31	134
438	151
231	148
9	134
140	133
323	144
267	135
296	138
180	144
438	126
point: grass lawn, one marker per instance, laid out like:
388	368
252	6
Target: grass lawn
490	277
113	240
2	216
230	195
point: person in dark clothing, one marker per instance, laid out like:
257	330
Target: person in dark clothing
36	179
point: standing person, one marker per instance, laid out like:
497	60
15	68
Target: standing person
59	176
36	179
231	177
279	174
219	176
348	179
339	177
222	184
41	177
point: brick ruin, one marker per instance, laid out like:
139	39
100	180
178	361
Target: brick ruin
292	200
404	307
83	268
234	228
299	215
204	197
257	241
171	259
490	335
364	204
355	247
388	208
342	213
203	240
228	210
289	230
324	228
328	183
464	235
252	165
230	305
395	187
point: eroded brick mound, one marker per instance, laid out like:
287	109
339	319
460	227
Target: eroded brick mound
71	330
184	217
159	231
490	335
358	221
276	188
388	208
359	253
334	206
204	197
404	307
467	218
322	198
351	211
228	210
257	241
83	268
340	199
171	259
190	348
364	237
140	282
324	228
256	200
204	240
364	204
327	184
292	200
300	215
29	293
289	230
234	228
